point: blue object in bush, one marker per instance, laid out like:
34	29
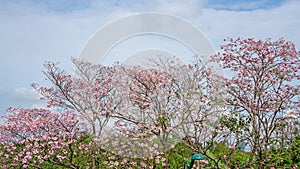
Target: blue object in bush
193	159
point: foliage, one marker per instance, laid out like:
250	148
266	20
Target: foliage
286	156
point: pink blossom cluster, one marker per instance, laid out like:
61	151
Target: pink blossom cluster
30	137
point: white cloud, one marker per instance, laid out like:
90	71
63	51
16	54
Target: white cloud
20	97
26	94
32	32
183	8
282	21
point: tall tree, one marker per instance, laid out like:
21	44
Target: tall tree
167	103
89	93
263	84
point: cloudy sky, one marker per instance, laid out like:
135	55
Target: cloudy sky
35	31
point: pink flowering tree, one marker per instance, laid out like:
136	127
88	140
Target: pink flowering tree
39	138
88	93
165	104
134	117
262	91
147	116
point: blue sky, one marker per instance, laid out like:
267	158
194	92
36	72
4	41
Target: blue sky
71	5
35	31
243	5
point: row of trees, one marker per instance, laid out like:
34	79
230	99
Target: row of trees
156	117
